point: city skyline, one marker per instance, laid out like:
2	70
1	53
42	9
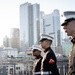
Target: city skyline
9	14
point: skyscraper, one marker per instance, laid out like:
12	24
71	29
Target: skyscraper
29	25
51	26
15	38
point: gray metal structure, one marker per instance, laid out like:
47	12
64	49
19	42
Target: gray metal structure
62	64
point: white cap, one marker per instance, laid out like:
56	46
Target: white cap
37	47
44	36
69	14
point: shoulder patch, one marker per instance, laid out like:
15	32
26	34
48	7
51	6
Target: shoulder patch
51	61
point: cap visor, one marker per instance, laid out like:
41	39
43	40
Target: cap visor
40	40
63	24
43	39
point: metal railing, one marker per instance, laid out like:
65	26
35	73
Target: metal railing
62	65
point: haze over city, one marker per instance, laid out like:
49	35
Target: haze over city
9	12
22	22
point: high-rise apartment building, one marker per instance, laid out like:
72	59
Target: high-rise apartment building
29	25
15	38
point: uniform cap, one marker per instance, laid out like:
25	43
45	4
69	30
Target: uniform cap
67	21
36	47
45	37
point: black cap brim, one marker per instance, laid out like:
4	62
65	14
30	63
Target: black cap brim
44	39
64	24
67	21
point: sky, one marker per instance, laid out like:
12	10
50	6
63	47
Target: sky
9	12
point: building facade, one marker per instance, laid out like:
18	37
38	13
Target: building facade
29	25
6	41
51	26
15	38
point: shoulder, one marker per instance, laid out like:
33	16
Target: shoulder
51	54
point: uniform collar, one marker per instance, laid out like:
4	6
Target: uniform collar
47	49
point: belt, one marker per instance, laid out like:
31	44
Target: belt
46	72
37	72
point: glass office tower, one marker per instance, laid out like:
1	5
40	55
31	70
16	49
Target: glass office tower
29	25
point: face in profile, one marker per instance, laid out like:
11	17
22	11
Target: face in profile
69	28
43	44
36	52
